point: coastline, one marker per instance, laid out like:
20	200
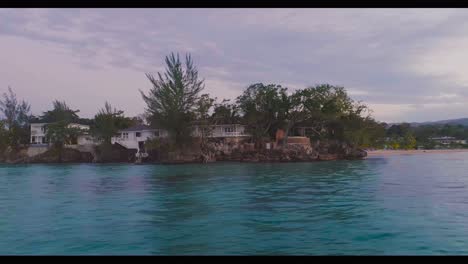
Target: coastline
371	153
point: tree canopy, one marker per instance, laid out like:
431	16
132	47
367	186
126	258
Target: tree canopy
60	112
16	115
173	98
108	121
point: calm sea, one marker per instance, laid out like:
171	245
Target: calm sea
405	204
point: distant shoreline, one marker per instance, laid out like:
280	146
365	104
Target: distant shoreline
371	153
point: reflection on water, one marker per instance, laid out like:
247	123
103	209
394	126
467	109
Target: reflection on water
383	205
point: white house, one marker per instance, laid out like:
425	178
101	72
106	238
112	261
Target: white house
135	137
223	131
38	134
448	140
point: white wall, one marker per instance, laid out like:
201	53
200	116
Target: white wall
131	141
36	150
86	140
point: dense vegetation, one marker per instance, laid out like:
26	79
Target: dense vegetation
405	136
176	103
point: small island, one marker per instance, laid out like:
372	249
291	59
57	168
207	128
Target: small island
181	124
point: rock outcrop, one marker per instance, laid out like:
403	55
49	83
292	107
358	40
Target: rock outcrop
52	156
245	152
217	150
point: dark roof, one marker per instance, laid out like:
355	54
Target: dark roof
137	128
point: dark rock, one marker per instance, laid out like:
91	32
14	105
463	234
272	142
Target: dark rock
356	154
67	156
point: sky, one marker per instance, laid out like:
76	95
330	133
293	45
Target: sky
406	64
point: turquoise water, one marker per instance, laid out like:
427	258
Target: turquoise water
407	204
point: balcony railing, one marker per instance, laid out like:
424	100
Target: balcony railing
228	134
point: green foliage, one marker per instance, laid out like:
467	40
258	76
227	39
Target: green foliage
423	134
262	107
225	113
60	112
409	142
325	106
174	97
107	122
3	139
325	109
202	116
60	134
398	130
16	119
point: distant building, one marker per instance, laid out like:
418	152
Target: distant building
135	137
38	134
222	131
447	140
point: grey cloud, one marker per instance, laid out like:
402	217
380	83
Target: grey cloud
359	49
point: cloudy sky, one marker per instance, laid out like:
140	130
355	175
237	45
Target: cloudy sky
407	64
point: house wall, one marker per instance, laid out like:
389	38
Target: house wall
84	127
86	140
234	130
37	132
131	141
36	150
299	140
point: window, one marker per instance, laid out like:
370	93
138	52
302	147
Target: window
229	129
138	134
33	139
125	135
156	133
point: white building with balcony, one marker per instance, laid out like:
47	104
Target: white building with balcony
38	134
223	131
135	137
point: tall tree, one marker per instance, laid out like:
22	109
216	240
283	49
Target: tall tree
225	113
292	112
59	134
262	106
58	130
16	118
60	112
173	97
324	105
3	139
202	115
107	122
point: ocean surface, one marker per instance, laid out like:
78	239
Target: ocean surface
392	205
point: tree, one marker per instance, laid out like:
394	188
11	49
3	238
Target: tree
398	130
262	108
3	139
173	98
202	116
60	112
325	105
107	122
225	113
59	134
292	108
409	142
16	114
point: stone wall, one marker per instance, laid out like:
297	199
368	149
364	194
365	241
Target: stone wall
36	150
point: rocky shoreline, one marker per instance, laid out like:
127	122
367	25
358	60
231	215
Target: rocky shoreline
209	153
245	152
